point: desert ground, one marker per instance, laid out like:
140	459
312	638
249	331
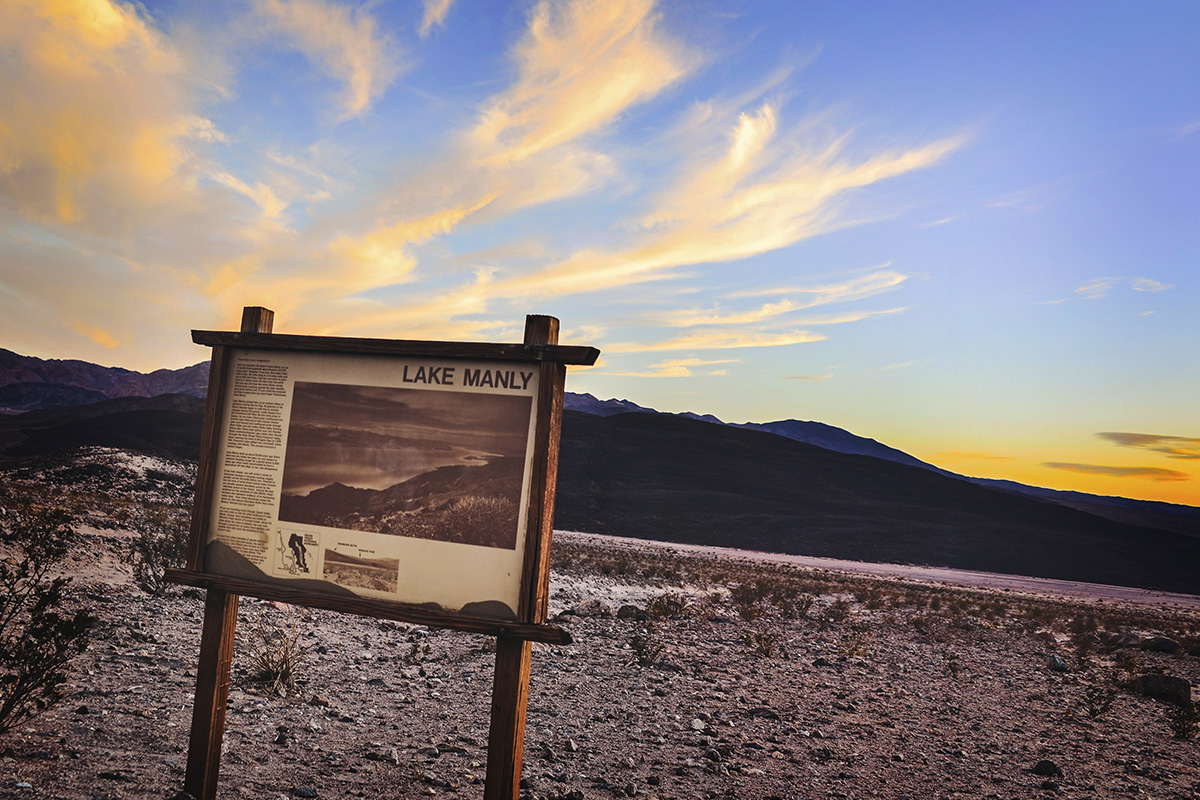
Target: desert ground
692	674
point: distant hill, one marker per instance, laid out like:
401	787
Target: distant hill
167	425
28	383
1168	516
669	478
788	486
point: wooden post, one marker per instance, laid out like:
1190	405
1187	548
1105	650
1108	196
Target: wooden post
220	608
510	688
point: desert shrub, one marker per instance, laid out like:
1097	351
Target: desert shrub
276	652
648	647
1097	700
37	640
1127	662
835	613
860	643
953	665
161	543
1184	721
761	643
668	605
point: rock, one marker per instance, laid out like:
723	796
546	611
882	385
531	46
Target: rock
1168	688
305	791
319	700
432	752
1056	664
764	712
378	682
1050	785
628	611
593	608
1160	644
24	785
1047	769
182	795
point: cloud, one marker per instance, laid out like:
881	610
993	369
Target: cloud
754	196
808	377
717	340
1187	129
1186	447
880	280
939	222
96	114
901	365
1149	285
849	316
1100	287
1148	473
435	14
344	42
676	368
966	455
581	64
1097	288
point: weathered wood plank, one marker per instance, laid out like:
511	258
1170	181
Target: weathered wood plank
367	607
564	354
506	737
212	693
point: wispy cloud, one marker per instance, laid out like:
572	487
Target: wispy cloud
939	222
677	368
345	42
878	280
434	15
808	377
1097	288
581	64
717	340
1187	447
1147	473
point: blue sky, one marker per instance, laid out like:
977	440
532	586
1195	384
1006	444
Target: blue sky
967	230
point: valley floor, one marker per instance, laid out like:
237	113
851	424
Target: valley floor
744	679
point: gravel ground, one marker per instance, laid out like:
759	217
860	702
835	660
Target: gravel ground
722	677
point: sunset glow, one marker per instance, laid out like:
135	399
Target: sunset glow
971	232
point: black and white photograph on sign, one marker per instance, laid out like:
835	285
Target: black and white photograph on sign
438	465
362	572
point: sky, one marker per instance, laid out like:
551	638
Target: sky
967	230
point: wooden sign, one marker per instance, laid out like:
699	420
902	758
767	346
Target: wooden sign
403	480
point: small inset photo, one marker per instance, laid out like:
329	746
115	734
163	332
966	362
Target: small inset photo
362	571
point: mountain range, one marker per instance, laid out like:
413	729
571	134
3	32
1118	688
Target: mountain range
788	486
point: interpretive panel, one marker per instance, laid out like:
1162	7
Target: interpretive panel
390	477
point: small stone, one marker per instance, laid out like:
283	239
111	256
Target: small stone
1056	664
698	724
1047	768
632	612
432	752
1050	785
378	682
24	785
593	608
1160	644
319	700
631	789
764	712
305	791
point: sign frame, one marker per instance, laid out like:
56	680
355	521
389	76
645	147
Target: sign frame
540	350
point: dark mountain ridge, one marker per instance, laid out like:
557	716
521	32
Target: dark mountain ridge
28	383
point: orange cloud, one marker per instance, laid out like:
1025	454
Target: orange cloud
1187	447
1148	473
581	64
